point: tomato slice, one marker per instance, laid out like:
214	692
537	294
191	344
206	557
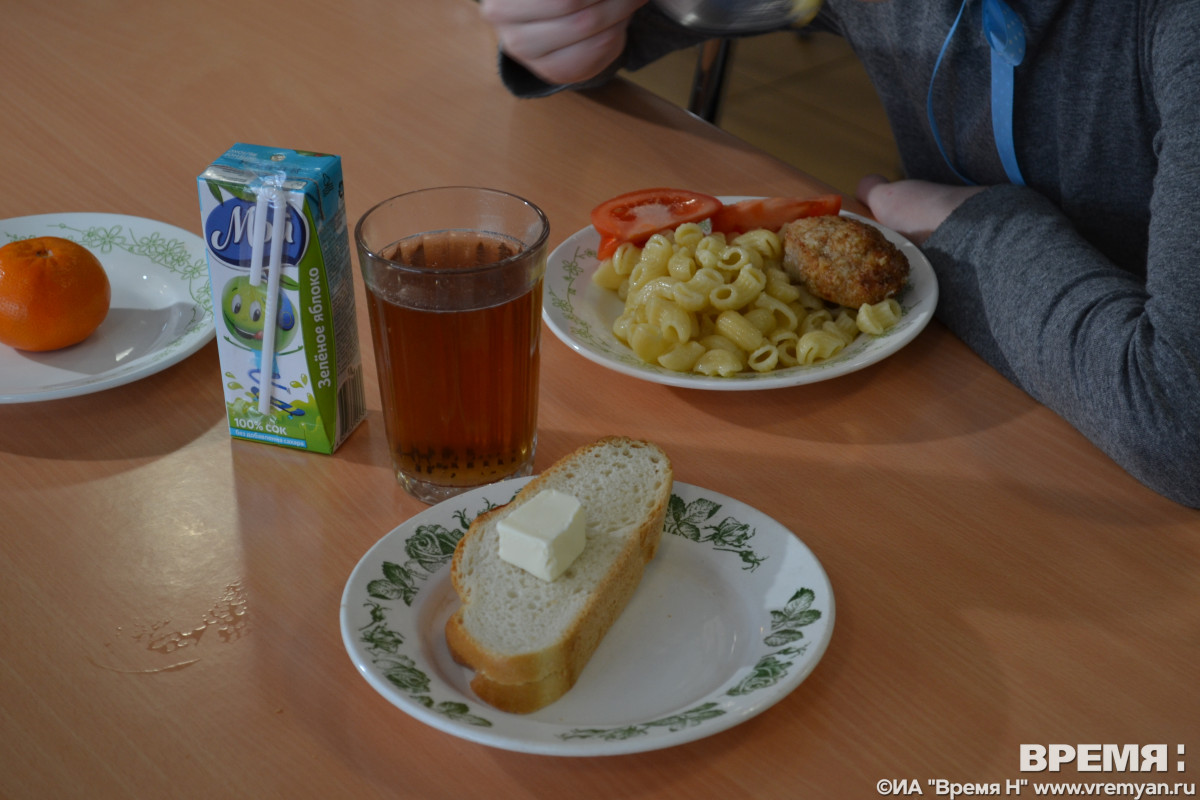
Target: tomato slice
772	213
608	246
636	216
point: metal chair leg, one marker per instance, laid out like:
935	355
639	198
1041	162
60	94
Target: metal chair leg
709	81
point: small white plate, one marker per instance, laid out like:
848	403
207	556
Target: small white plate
581	314
732	614
161	309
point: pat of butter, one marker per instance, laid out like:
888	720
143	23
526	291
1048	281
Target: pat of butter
544	535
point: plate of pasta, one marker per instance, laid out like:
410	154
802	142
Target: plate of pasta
636	313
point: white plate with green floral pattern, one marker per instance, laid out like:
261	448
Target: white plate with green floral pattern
732	614
581	314
161	310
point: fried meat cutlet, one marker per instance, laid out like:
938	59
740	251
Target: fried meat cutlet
843	260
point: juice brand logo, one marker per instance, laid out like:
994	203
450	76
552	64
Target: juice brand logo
228	232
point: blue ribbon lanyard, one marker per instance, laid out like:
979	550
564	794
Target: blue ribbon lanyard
1006	37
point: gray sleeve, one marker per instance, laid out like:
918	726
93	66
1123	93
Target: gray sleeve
522	83
1116	355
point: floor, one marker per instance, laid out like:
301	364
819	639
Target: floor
805	99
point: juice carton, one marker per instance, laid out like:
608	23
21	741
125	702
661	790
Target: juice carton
316	385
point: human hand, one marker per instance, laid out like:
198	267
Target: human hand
561	41
911	208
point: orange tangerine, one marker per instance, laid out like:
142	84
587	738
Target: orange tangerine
53	293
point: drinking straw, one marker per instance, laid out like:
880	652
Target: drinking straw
278	233
257	237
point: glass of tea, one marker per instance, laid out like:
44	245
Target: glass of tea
454	289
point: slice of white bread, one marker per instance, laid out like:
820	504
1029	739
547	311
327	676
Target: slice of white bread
528	639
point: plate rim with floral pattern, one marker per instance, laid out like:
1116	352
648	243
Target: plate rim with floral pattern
142	257
581	315
720	563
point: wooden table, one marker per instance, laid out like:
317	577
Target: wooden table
999	581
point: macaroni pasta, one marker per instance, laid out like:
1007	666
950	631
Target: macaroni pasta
697	302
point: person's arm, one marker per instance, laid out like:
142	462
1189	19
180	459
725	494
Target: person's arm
1116	356
560	42
545	47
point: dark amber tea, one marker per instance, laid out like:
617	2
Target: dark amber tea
454	289
460	392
